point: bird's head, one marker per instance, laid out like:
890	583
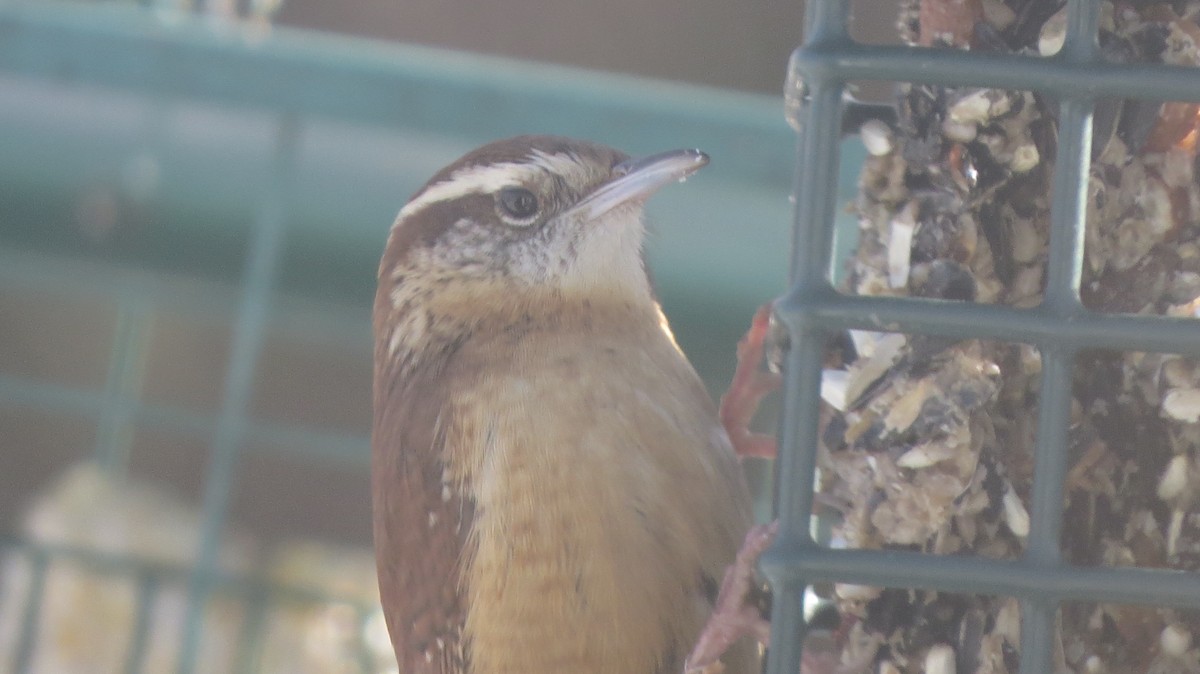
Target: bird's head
531	215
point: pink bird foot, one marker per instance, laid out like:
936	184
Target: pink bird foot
751	383
736	613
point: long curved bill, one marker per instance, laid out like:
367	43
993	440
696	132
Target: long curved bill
636	179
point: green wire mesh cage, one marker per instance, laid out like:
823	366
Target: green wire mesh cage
228	180
191	215
1059	326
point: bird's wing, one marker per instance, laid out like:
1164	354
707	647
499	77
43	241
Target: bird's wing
420	525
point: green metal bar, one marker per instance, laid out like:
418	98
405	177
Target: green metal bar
31	618
980	575
127	365
130	351
814	107
374	82
963	320
250	638
1068	226
289	439
1053	75
794	489
366	663
1038	633
320	322
139	640
230	433
122	565
1049	476
811	271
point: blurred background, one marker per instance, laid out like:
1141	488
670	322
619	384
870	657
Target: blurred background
193	199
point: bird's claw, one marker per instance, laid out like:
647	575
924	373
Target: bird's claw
751	383
735	614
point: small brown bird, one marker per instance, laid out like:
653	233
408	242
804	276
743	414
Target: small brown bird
553	491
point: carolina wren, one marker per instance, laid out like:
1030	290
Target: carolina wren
552	489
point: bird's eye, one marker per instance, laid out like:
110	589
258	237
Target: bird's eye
518	205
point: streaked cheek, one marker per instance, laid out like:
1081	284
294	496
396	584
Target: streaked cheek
469	252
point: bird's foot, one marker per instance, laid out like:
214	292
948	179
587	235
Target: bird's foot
736	614
751	383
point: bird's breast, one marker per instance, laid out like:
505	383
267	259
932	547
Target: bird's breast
605	495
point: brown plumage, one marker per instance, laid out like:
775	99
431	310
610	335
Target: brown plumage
552	489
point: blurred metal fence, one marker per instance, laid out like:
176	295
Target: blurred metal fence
271	212
1060	327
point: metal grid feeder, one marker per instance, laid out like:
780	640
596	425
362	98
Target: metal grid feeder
1060	327
254	199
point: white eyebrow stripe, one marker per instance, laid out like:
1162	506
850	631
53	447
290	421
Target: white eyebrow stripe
474	180
559	164
488	178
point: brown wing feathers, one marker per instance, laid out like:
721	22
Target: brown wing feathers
420	526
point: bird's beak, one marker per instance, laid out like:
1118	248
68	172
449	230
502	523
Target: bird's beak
636	179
